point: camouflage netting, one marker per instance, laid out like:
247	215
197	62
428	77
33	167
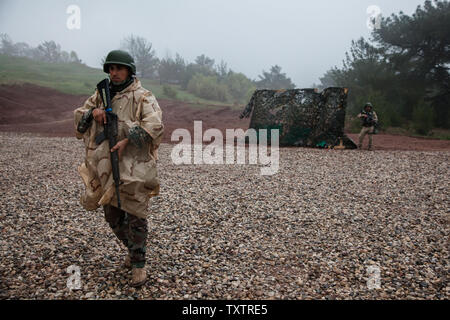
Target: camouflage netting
305	118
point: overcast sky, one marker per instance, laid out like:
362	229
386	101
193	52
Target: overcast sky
305	38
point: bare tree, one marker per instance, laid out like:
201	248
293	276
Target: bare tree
7	45
50	51
222	70
143	54
74	57
22	49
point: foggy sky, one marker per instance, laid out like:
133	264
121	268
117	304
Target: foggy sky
305	38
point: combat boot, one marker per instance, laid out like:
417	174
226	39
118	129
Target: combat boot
370	148
127	262
139	276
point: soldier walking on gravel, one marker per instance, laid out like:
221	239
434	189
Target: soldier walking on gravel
140	131
369	122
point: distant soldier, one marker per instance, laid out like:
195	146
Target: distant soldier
140	131
369	122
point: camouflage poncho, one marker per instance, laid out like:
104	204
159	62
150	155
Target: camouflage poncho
140	120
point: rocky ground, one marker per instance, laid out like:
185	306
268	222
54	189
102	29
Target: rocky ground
311	231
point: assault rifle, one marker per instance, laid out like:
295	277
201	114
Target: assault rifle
110	132
370	121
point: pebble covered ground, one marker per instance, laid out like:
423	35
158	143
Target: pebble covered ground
315	230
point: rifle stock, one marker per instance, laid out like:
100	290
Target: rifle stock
110	133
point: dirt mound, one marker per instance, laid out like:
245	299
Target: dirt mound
30	108
45	111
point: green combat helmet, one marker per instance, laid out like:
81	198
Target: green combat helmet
119	57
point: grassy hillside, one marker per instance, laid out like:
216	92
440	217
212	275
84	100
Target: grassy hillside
69	78
73	78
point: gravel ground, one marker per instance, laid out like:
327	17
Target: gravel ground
226	232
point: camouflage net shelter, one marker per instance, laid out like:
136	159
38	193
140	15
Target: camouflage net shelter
305	117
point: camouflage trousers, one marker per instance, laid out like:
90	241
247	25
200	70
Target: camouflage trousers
131	231
363	133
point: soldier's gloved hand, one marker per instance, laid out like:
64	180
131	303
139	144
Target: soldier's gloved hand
120	146
99	115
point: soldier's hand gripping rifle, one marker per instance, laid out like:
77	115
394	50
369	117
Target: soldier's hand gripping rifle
110	133
370	121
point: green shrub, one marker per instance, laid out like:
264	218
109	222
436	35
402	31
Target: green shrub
239	87
207	87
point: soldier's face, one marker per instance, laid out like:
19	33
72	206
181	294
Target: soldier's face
368	109
118	73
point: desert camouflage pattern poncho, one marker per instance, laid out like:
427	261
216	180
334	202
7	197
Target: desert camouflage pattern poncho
140	120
